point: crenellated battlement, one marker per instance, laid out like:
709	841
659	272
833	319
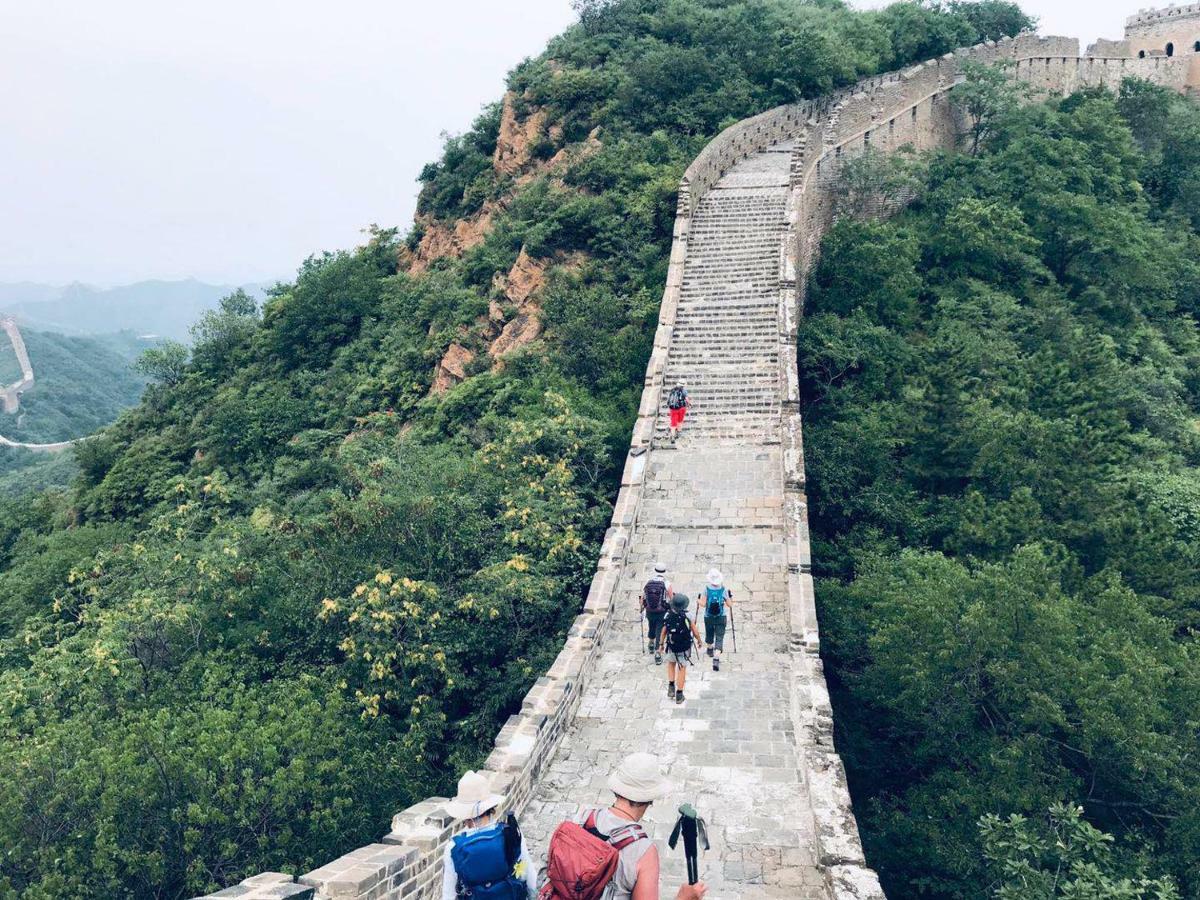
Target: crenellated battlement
1148	17
1172	32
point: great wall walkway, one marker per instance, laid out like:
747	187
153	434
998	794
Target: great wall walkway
752	747
714	499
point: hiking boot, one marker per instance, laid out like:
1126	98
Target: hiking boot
716	665
678	698
670	689
658	659
709	651
650	646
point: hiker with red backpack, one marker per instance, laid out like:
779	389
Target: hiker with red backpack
489	859
606	852
718	602
676	638
678	404
655	600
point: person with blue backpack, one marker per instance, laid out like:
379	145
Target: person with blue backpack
717	600
488	860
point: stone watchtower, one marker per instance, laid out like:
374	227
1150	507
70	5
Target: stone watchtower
1170	31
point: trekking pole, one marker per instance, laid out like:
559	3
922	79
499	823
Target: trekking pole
733	628
691	826
642	628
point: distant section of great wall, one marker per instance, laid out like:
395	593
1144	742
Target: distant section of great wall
10	397
751	214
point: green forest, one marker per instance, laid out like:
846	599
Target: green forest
294	590
299	585
1002	428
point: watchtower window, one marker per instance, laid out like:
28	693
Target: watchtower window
1170	49
1197	47
1141	54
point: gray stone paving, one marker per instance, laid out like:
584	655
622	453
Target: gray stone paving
713	499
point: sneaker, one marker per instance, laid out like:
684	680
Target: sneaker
670	689
716	665
709	650
658	659
678	698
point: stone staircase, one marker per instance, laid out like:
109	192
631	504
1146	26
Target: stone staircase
715	498
725	343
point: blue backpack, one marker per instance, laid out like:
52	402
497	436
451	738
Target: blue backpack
484	861
714	601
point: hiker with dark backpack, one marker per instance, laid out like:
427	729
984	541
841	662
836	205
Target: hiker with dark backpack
717	600
655	601
678	631
606	853
489	859
677	403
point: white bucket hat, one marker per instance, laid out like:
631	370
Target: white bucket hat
474	797
714	577
639	779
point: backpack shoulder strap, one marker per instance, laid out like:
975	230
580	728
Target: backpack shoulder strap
625	835
620	837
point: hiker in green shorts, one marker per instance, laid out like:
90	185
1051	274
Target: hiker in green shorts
716	599
679	629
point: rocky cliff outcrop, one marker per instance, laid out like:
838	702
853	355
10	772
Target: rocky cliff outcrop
514	158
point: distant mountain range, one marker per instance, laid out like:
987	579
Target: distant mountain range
159	308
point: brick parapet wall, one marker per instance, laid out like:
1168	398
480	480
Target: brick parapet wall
886	112
1151	17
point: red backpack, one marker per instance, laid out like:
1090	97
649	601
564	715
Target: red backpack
582	861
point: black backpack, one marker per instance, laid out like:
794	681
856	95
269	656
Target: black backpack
677	399
655	593
679	633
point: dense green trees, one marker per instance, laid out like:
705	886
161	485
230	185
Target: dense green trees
293	590
1002	452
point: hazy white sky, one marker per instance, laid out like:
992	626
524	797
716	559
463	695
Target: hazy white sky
227	140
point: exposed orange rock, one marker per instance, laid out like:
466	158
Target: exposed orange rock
441	240
452	369
514	144
520	286
526	278
523	329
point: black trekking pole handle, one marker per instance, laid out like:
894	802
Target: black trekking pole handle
693	829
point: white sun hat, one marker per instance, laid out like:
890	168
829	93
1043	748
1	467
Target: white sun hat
660	568
639	779
474	797
714	577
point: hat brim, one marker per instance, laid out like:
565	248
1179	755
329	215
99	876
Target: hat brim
469	809
646	793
